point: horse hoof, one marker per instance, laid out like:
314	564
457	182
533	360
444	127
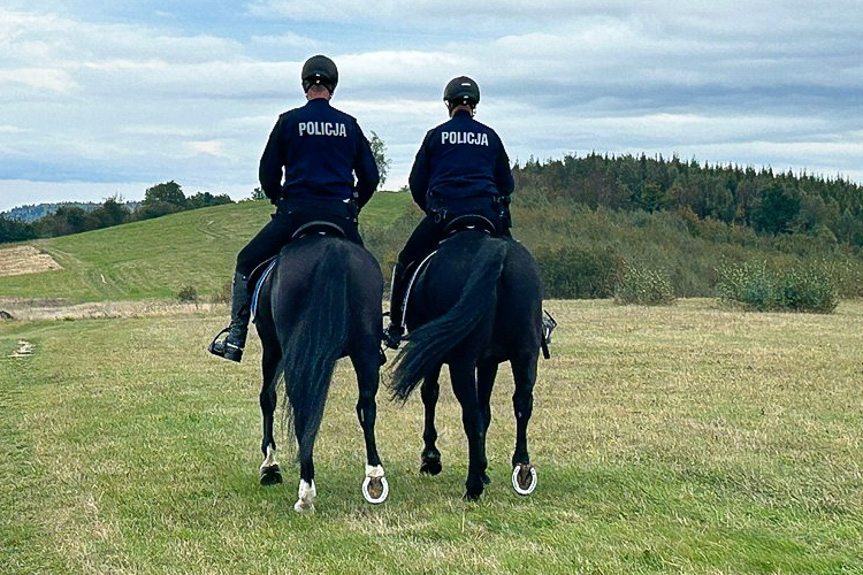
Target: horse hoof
306	495
376	489
524	478
431	464
468	496
431	467
271	475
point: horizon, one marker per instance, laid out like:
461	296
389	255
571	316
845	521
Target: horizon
246	196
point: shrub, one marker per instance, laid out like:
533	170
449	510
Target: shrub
572	273
188	294
643	286
223	294
806	287
848	275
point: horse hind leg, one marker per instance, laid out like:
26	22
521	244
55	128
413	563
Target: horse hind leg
375	487
270	473
306	493
430	391
486	373
524	479
463	378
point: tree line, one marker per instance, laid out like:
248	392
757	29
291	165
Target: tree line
767	202
159	200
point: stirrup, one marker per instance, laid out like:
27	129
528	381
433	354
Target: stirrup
217	347
223	348
548	325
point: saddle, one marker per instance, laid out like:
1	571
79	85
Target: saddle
260	274
321	228
463	223
468	222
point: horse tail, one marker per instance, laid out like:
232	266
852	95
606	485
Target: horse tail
309	355
430	343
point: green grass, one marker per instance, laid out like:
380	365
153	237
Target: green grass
156	258
688	439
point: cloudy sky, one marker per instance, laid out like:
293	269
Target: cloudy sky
105	98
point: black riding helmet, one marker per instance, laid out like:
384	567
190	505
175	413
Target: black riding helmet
320	70
461	90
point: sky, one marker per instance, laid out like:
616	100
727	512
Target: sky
105	99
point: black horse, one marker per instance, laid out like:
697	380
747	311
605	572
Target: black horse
477	304
321	302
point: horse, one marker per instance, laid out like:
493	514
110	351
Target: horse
476	304
321	302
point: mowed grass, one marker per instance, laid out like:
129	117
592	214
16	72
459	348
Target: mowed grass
668	440
157	258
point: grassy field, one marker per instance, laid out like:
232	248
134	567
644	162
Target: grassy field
686	439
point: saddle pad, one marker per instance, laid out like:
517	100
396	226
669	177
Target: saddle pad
257	292
414	277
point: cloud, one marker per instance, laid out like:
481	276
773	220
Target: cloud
286	40
113	92
208	147
37	79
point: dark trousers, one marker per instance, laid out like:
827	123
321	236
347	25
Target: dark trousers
290	216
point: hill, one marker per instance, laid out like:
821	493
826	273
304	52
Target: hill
582	250
156	258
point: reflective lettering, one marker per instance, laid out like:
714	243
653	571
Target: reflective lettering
472	138
323	129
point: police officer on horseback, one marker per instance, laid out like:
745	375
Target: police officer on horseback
307	170
461	169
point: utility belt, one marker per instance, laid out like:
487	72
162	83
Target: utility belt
343	208
495	208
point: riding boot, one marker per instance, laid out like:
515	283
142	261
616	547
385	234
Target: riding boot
231	347
393	333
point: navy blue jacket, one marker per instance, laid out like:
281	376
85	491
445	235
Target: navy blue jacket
320	149
460	164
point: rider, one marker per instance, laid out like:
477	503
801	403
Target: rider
307	170
461	168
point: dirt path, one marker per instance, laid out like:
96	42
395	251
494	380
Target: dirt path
32	310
